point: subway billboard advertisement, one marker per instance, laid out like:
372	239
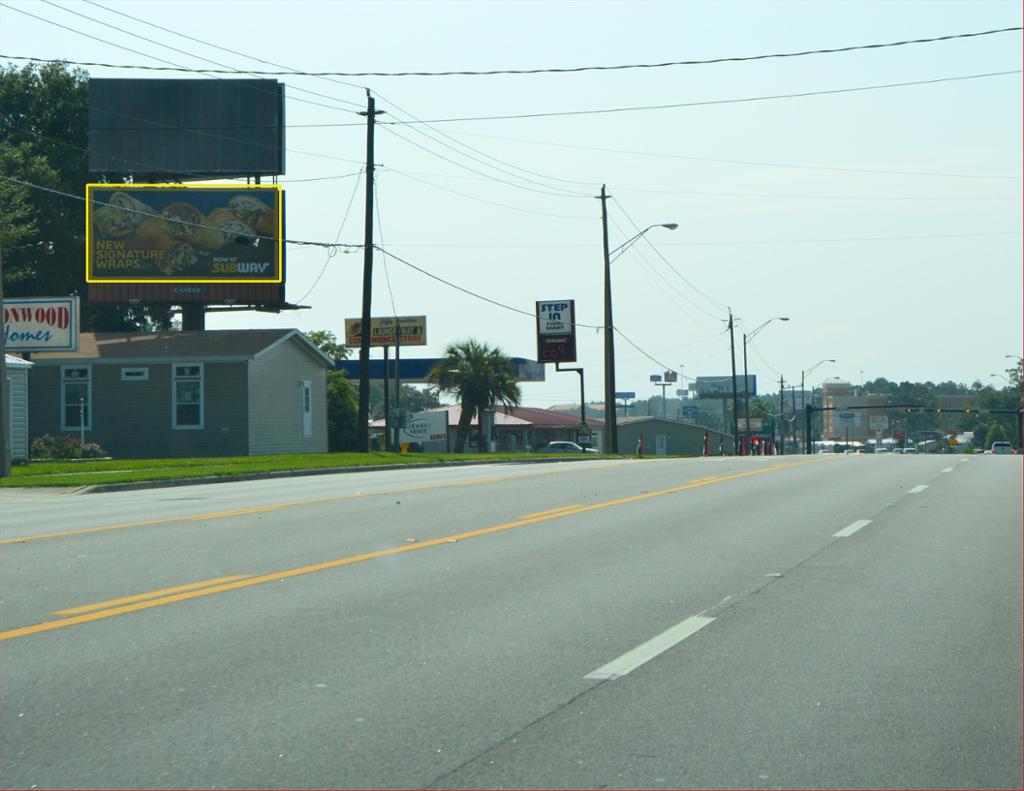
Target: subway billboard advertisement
157	233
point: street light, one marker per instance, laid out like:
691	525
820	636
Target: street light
618	251
746	385
611	427
803	374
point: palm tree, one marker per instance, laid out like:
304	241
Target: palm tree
480	377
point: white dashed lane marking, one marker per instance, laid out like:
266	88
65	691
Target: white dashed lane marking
645	652
849	530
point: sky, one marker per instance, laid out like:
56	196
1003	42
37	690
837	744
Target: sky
884	223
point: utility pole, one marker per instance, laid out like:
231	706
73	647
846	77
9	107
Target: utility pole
611	427
792	399
735	405
364	346
782	417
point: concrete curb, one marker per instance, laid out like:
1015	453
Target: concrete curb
102	488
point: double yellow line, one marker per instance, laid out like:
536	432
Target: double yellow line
144	601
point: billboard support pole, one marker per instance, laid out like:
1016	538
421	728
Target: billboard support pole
5	408
364	346
398	383
387	407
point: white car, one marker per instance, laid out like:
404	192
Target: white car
910	451
1002	449
564	447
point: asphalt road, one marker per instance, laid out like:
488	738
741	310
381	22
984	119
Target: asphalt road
825	621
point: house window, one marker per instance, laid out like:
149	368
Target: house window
134	374
75	398
306	396
187	396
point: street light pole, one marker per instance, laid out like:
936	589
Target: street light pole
611	425
746	385
803	374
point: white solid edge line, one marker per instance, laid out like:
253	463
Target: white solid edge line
849	530
918	489
645	652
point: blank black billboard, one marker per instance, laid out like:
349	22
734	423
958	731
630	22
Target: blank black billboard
184	130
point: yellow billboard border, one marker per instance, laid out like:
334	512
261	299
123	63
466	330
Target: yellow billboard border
177	281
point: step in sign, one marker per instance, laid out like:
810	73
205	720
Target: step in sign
556	331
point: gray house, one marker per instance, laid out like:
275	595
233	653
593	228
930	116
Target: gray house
17	413
670	437
180	394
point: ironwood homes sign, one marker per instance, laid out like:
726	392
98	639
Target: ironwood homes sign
556	331
41	324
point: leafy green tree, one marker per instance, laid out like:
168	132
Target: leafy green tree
342	413
996	433
44	142
342	399
479	376
327	342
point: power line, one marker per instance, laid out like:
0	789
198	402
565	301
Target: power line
756	163
712	102
650	268
221	47
232	51
192	54
380	235
489	202
215	73
577	69
331	252
494	302
453	285
177	127
95	202
712	301
605	110
418	122
473	170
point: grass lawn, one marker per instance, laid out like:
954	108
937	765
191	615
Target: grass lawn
87	473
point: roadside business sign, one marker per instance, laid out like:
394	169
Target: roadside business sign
655	377
878	422
41	324
425	427
556	331
382	331
721	386
176	233
847	419
671	376
626	394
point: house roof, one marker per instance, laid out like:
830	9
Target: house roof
16	362
551	419
514	417
116	346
